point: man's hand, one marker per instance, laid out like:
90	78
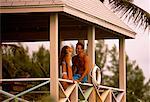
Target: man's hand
77	81
65	76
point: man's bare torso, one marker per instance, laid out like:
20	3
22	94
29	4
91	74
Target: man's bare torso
78	64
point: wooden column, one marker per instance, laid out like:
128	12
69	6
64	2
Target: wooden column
91	44
91	54
122	66
0	66
54	91
61	46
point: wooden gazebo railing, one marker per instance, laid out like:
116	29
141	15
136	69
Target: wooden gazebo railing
75	92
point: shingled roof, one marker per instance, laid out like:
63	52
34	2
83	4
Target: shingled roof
91	10
15	3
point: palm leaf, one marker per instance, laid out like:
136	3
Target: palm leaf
131	12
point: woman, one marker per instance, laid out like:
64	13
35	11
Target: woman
65	61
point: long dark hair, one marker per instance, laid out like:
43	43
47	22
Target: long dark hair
63	53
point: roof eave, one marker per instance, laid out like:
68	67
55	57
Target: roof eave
32	8
69	10
98	21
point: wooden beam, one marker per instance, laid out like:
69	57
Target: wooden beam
122	66
54	88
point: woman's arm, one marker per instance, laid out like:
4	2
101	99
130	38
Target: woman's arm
64	70
69	67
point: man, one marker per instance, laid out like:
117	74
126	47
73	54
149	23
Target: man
81	64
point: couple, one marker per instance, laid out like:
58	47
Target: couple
77	67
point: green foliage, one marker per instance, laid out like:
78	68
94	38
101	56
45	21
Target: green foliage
101	55
16	61
137	90
113	66
41	60
46	98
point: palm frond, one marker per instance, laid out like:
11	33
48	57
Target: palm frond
131	12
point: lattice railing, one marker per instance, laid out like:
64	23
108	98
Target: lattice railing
75	92
13	96
86	92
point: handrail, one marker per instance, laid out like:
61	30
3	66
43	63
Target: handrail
26	79
47	80
110	88
60	79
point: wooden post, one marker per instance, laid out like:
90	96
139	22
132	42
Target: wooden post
61	46
122	66
1	66
91	45
54	88
91	54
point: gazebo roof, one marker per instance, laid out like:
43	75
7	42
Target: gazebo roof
90	10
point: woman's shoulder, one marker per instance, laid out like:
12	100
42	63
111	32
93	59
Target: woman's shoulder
67	57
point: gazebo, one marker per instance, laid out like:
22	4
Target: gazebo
60	20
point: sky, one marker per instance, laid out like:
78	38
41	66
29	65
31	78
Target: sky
144	4
137	49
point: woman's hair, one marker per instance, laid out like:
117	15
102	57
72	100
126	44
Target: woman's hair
63	53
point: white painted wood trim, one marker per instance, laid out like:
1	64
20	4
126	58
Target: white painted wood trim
54	88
